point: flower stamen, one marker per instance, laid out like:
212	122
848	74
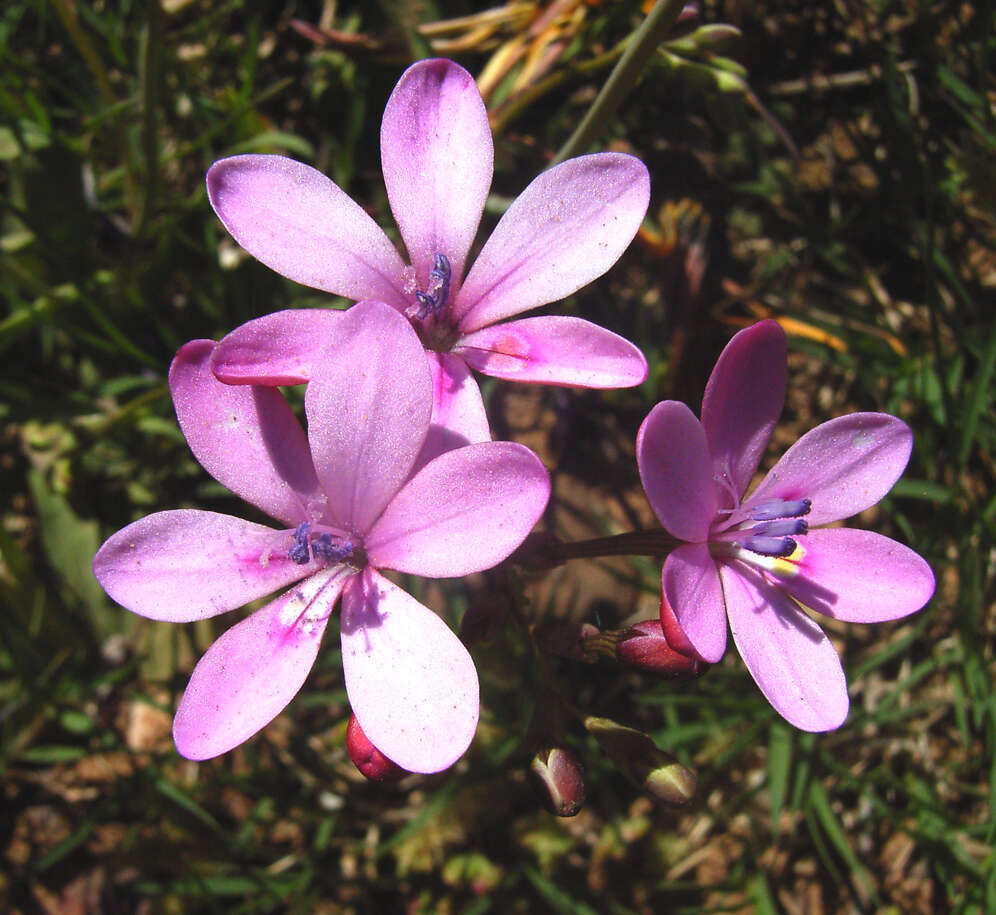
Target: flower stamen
433	299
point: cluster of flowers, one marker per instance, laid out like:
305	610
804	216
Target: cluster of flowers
397	469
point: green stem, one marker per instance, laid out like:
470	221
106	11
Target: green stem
660	20
633	543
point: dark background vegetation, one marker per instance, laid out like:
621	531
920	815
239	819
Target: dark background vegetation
841	182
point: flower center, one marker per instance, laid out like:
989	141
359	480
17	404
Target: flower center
770	528
428	312
327	548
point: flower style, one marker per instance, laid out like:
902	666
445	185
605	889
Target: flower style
351	506
567	228
759	558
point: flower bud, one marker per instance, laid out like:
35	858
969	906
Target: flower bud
373	764
561	779
642	762
643	646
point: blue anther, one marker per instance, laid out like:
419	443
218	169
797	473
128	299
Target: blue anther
327	551
771	546
438	290
772	509
299	549
788	528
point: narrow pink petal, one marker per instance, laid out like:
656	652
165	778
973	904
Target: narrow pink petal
411	683
554	350
248	676
690	585
368	412
438	158
742	403
787	654
567	228
465	511
299	223
188	565
674	463
859	576
278	348
247	438
458	416
844	466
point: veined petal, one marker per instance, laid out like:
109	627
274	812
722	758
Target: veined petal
458	416
676	470
368	413
554	350
567	228
859	576
743	400
248	676
463	512
787	654
247	438
278	348
299	223
188	565
690	586
438	159
411	683
843	466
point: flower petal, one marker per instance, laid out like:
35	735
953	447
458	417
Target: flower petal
554	350
438	159
690	586
567	228
463	512
278	348
188	565
411	683
247	438
843	466
458	416
247	677
368	412
742	402
676	471
859	576
299	223
787	654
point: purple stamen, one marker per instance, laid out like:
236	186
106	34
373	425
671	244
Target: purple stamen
299	549
787	528
437	292
327	551
771	546
773	509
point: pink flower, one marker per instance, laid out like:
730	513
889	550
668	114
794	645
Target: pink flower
350	507
758	560
567	228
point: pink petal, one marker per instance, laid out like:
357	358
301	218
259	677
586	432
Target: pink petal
248	676
859	576
554	350
411	683
278	348
690	585
188	565
787	654
438	158
465	511
567	228
844	466
742	403
247	438
297	222
368	412
458	416
676	471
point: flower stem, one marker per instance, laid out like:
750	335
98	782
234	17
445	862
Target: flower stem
660	20
544	551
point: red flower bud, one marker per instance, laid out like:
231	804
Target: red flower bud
645	647
561	778
373	764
